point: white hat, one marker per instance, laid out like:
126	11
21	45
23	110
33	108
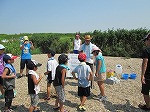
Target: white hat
95	49
12	56
1	46
25	38
36	63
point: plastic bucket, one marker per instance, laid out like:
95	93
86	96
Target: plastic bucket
118	69
133	76
125	76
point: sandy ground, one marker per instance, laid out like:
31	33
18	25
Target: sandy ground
122	97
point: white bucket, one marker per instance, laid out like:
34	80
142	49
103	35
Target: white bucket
118	69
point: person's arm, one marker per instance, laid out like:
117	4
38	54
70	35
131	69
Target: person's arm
63	77
74	76
36	81
98	67
73	43
90	76
144	66
4	76
46	73
32	47
81	42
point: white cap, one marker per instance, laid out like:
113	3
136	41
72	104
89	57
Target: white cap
36	63
1	46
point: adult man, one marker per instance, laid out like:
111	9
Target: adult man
87	49
145	74
76	43
26	47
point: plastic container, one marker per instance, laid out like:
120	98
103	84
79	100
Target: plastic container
133	76
110	73
118	69
125	76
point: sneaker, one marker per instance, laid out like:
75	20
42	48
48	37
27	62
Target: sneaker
47	98
9	110
143	107
56	108
36	110
81	108
19	76
1	96
102	98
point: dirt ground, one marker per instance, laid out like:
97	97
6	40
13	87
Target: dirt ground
122	97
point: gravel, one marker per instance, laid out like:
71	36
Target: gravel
122	97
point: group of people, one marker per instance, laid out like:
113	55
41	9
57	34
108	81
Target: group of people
56	73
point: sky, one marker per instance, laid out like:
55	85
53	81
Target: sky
70	16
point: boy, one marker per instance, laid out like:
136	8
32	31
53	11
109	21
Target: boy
59	82
100	71
25	47
2	48
84	76
8	76
33	84
51	67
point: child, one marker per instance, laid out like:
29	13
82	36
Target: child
33	84
59	82
25	47
2	48
100	71
84	76
8	76
51	67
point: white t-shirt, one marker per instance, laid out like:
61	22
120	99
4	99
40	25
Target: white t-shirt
51	66
77	44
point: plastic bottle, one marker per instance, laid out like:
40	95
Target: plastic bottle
118	69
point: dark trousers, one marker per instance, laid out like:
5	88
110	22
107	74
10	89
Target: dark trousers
9	95
91	66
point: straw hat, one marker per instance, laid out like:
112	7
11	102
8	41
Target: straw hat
87	37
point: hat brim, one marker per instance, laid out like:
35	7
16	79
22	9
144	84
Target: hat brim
13	57
38	65
95	50
87	38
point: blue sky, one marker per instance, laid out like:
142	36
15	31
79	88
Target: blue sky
70	16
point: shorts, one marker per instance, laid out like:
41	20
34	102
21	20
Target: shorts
75	52
1	80
60	93
9	94
34	100
146	87
24	62
49	81
49	78
101	77
83	91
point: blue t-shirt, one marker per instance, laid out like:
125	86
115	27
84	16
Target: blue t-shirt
103	66
83	72
26	52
